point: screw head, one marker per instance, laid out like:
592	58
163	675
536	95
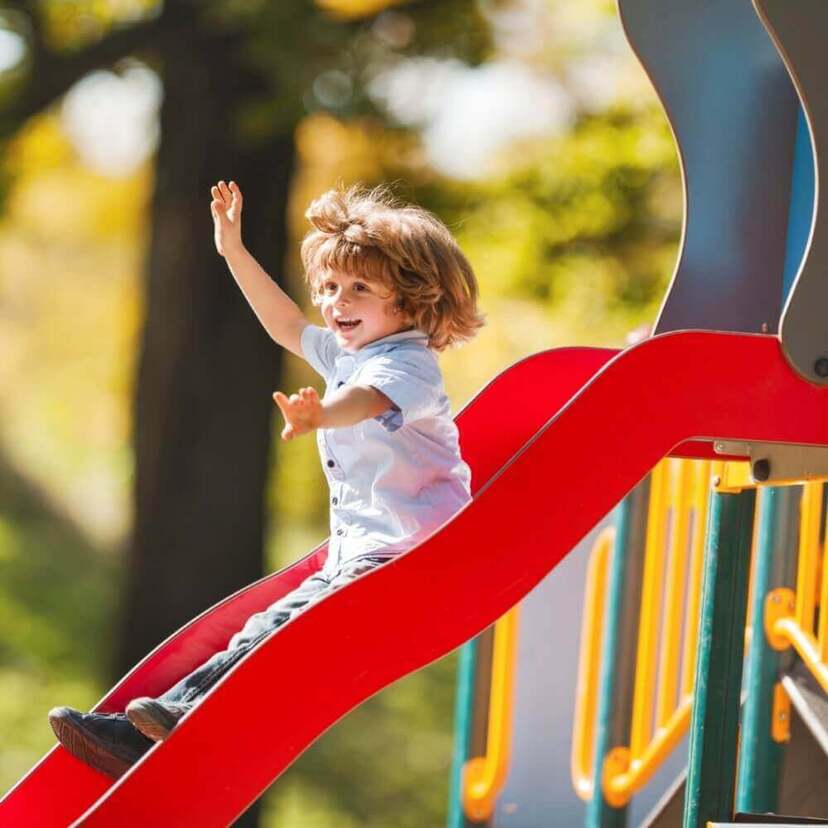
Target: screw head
761	470
821	367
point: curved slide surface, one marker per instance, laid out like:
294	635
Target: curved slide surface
60	788
554	443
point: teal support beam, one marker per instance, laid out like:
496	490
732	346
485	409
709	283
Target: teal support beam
711	778
464	699
760	758
619	644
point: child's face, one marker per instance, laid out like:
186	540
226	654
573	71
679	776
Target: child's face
356	300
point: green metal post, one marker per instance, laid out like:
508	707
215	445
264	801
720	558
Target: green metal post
711	777
462	729
760	758
620	630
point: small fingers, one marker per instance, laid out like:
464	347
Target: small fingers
286	403
218	195
237	195
225	192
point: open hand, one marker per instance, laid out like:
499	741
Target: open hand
226	208
302	412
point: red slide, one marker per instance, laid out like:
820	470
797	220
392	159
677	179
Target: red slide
554	443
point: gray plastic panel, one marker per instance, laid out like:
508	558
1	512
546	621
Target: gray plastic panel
733	111
800	30
538	792
811	703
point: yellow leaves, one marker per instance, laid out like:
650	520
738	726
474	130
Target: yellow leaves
514	328
349	148
71	244
76	23
38	146
57	196
356	9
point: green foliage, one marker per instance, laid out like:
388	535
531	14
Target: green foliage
587	224
57	596
312	61
386	763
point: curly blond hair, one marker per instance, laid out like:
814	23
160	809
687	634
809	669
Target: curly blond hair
402	247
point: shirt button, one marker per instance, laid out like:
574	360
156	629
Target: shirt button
331	464
340	384
340	531
335	501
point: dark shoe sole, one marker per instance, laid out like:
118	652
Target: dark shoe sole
150	718
84	746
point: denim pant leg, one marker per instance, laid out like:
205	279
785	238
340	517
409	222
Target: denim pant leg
257	627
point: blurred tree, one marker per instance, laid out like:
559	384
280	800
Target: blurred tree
237	79
574	237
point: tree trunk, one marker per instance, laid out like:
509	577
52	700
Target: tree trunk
203	411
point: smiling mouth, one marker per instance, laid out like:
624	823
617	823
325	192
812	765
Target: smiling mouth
348	325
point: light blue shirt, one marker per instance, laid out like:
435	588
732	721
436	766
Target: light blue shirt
395	478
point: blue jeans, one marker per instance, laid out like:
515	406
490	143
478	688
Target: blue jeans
318	586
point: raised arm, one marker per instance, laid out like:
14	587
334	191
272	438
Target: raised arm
278	313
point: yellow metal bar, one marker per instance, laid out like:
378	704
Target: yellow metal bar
822	634
620	787
806	645
648	625
700	500
681	478
779	603
789	618
781	715
806	583
484	775
627	770
589	664
732	476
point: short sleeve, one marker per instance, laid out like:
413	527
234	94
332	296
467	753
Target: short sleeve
319	349
412	381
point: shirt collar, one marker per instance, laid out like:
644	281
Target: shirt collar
414	335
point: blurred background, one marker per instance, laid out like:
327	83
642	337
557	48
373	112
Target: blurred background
141	475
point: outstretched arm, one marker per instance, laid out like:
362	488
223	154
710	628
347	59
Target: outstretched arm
304	412
277	312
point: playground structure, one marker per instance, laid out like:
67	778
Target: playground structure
730	377
643	666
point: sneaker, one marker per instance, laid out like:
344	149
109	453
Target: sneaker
155	719
105	741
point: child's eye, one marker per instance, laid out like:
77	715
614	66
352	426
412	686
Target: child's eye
360	286
329	287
